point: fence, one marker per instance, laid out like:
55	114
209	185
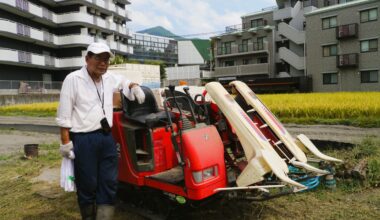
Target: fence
27	87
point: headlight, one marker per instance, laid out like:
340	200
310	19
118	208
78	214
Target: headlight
208	173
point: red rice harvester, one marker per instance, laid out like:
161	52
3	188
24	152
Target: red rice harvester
193	150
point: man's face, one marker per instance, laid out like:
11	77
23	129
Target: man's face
97	64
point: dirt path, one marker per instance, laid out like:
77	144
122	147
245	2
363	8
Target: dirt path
336	133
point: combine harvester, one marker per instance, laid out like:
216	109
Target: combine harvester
194	150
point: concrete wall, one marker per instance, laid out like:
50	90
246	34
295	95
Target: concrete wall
188	54
348	78
27	99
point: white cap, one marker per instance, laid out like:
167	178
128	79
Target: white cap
98	48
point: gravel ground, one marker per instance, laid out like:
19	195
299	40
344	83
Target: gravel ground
336	133
13	140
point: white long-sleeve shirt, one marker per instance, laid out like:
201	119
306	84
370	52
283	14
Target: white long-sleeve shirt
80	108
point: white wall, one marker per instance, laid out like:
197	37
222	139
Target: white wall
148	75
184	72
188	54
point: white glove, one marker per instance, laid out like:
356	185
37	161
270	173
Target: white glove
127	92
65	150
138	93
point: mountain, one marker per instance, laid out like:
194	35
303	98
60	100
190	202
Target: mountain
160	31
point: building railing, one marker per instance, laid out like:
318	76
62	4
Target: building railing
25	87
347	31
224	50
242	48
309	3
347	60
250	69
244	26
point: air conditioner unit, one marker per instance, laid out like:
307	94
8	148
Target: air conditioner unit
116	37
92	11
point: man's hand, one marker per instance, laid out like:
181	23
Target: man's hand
138	93
65	149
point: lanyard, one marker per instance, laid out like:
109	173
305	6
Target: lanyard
97	91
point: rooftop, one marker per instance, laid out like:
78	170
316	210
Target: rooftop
341	6
263	11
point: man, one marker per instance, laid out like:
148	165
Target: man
85	119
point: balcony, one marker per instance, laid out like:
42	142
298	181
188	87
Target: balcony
347	60
252	69
22	58
44	16
242	49
25	33
347	31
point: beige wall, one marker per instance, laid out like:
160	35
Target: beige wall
348	78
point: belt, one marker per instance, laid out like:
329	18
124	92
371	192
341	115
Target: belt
91	132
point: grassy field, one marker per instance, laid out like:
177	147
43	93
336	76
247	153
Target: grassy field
360	109
21	198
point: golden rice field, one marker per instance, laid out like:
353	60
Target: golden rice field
35	109
351	108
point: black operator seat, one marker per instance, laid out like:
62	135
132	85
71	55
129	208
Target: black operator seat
147	113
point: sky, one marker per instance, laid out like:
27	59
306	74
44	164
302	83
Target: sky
188	17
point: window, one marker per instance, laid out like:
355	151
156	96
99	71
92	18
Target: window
243	47
260	43
368	15
330	50
328	3
329	22
262	60
369	76
368	45
229	63
330	78
225	48
246	61
257	23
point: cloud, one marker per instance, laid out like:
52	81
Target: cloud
186	17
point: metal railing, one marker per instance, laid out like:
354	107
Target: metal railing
245	26
26	87
309	3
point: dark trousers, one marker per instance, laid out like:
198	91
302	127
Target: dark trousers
95	168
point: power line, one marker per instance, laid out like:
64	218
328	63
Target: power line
190	35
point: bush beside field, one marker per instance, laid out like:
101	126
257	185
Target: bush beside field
347	108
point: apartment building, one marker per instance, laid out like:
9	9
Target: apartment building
268	48
342	53
245	50
43	40
151	47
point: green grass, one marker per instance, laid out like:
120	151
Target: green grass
352	199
